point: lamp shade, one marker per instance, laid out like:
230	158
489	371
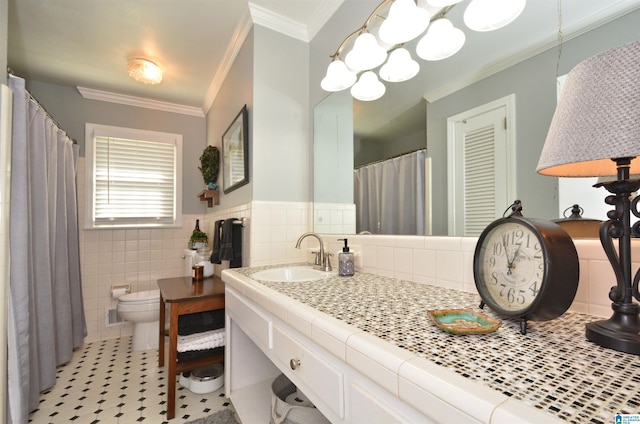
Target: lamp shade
597	118
399	67
405	22
368	87
441	41
366	53
338	77
489	15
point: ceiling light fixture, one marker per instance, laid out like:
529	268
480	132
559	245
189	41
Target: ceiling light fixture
403	21
144	70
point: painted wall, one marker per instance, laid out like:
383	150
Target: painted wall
281	140
235	92
72	111
534	83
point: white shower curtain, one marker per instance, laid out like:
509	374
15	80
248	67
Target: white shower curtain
46	314
390	195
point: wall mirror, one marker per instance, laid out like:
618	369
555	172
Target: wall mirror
235	151
413	114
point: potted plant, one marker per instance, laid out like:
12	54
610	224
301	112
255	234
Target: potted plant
210	166
199	239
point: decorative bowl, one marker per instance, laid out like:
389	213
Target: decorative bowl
463	321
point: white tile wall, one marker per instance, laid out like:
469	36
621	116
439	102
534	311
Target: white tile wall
137	257
448	262
140	257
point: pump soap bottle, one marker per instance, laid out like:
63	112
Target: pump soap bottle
345	261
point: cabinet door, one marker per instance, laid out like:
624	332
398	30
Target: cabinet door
324	381
249	319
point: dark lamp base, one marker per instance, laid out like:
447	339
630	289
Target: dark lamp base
621	332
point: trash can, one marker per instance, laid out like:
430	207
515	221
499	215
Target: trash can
290	406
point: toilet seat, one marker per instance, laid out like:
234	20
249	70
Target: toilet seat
150	296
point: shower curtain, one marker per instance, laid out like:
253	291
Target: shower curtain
390	195
46	314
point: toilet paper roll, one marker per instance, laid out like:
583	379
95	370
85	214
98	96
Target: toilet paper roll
118	293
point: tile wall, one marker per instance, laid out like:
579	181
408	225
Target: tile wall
140	257
448	262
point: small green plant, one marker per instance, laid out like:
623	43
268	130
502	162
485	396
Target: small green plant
198	235
210	164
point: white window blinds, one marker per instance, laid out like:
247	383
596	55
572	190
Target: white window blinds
134	179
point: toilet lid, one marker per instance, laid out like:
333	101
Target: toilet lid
150	296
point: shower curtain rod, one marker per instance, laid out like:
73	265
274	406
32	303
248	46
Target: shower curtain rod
32	98
392	157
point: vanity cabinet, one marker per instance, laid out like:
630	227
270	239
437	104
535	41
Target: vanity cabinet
260	346
350	375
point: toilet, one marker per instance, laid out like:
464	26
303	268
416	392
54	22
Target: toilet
143	310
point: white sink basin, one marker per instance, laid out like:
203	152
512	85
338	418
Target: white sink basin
291	274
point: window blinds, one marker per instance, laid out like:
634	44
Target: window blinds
135	181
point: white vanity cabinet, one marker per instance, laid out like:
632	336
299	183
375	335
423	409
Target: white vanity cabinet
350	375
260	346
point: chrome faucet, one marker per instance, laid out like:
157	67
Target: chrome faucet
322	258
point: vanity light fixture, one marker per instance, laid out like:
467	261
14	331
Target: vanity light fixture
403	21
144	70
595	132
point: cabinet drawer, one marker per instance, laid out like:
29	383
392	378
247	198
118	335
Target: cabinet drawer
327	383
252	322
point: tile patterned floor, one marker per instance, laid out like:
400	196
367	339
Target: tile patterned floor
107	383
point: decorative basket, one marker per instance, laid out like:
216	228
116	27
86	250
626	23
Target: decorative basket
284	413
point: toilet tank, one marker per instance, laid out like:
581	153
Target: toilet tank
188	256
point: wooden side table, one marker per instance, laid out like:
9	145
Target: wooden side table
186	297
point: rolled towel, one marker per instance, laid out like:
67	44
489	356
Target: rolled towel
201	341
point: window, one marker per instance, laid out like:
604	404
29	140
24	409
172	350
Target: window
133	178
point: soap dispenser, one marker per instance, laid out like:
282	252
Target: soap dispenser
345	260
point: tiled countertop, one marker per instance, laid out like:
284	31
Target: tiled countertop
552	368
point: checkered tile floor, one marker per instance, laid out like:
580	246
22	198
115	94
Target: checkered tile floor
107	383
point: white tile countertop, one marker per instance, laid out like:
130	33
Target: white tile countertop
379	326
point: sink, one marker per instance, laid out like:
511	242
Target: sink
291	274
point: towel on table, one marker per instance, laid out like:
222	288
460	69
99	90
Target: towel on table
200	321
201	341
226	242
215	254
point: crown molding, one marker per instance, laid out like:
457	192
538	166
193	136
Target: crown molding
279	23
241	34
106	96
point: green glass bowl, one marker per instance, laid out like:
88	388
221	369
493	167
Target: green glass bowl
463	321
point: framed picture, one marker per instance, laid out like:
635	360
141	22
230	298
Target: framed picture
235	151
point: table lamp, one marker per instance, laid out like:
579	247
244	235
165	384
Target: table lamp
595	132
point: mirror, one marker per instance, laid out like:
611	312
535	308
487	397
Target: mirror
235	151
343	140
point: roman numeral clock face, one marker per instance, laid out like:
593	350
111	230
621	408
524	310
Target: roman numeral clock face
511	267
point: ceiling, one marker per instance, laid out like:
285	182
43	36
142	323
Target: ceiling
86	43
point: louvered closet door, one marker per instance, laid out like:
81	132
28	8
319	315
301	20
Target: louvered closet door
480	174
